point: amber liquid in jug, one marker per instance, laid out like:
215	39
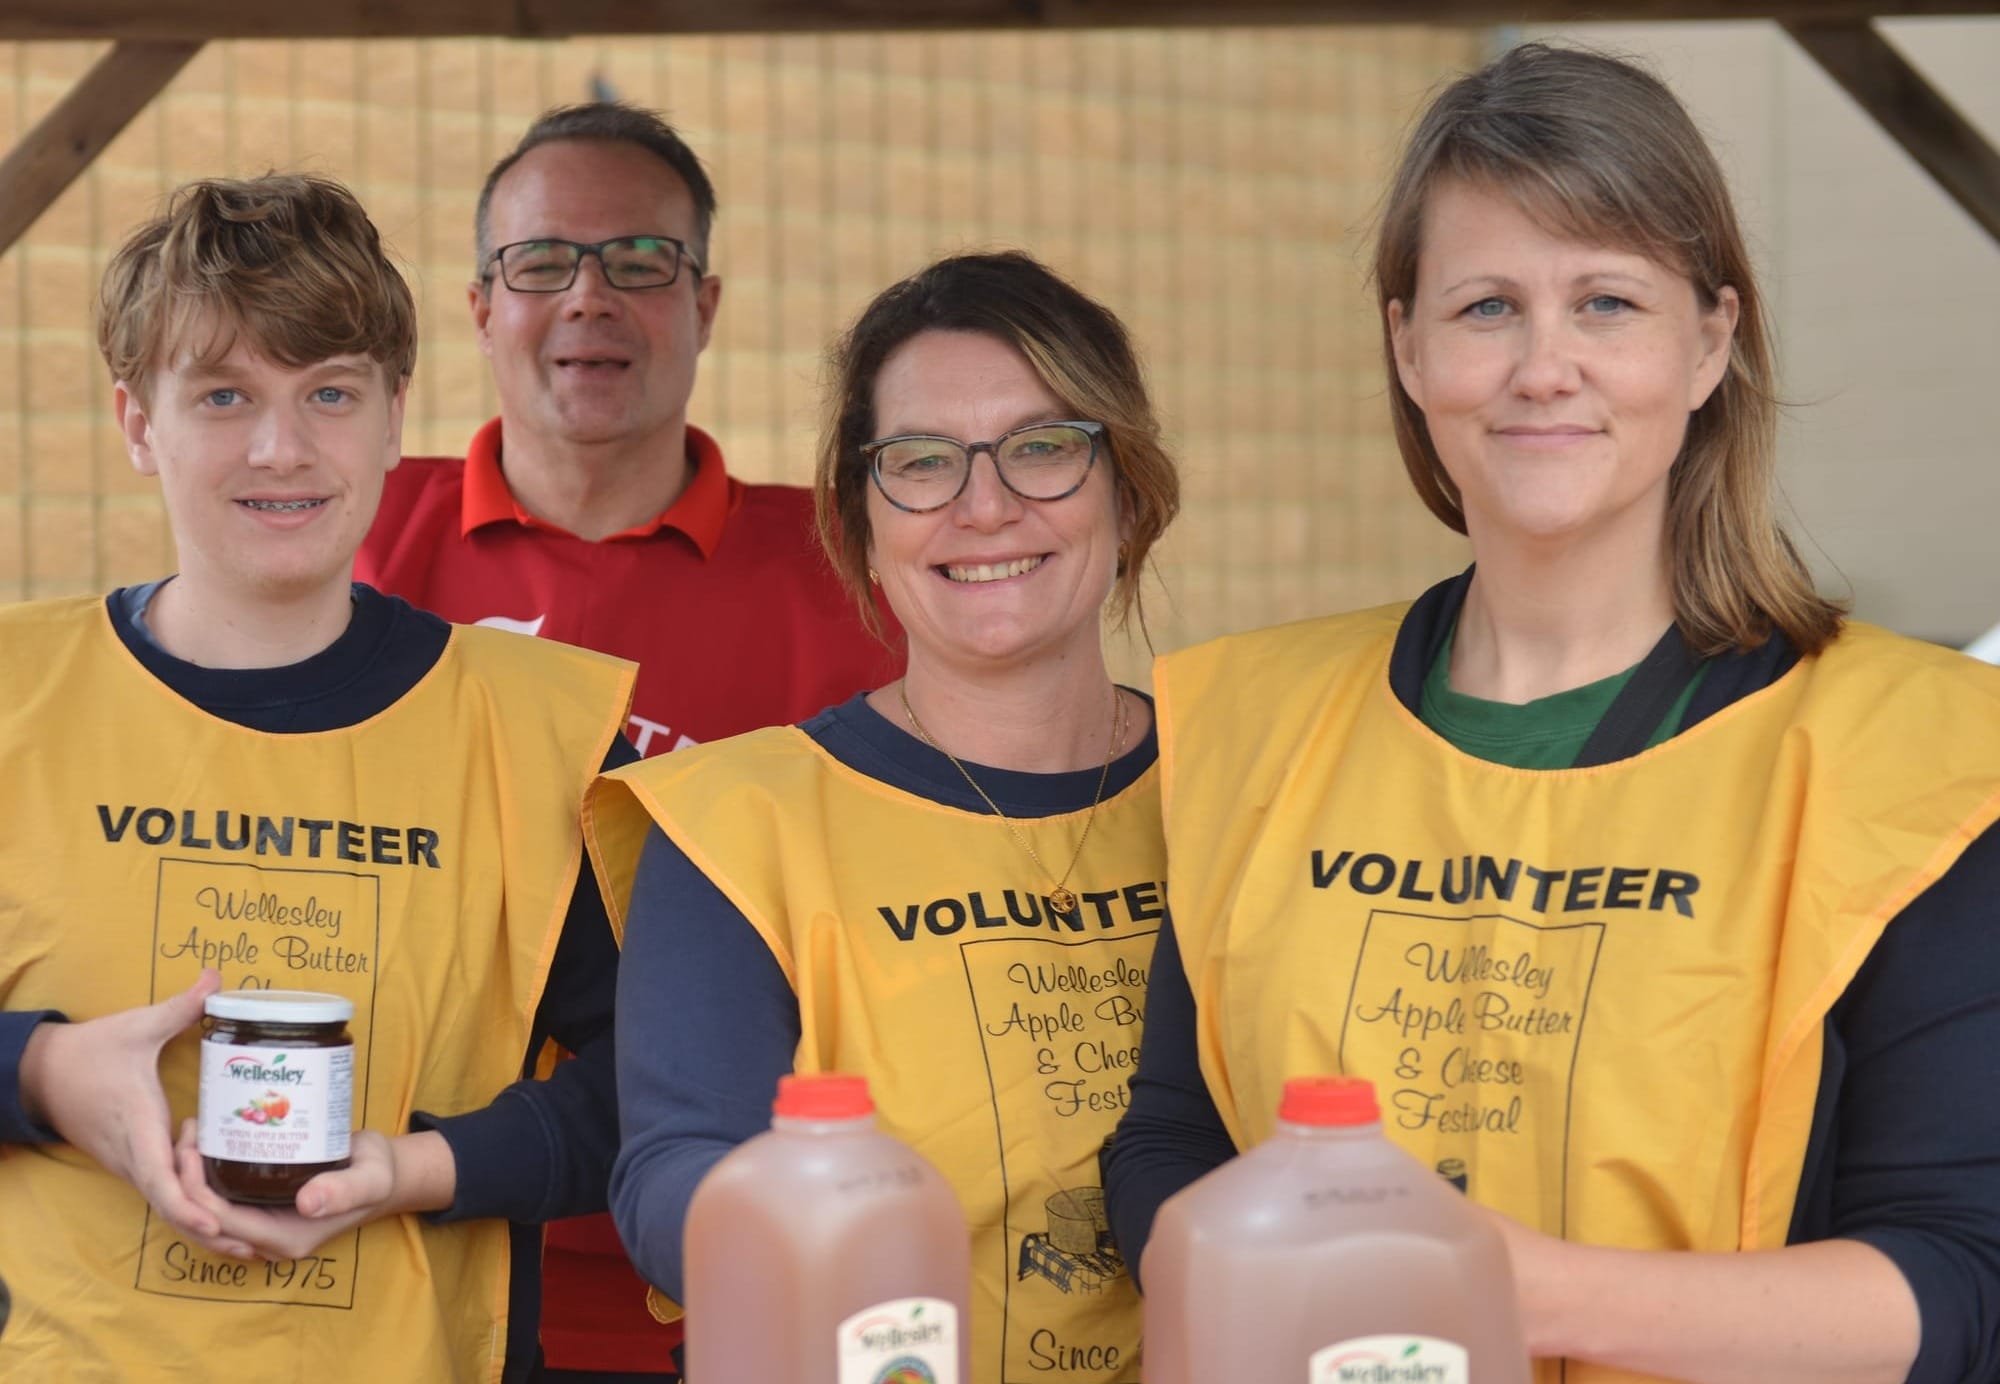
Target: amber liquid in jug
1327	1255
826	1252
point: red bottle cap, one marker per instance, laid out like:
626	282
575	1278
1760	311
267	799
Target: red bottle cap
1329	1100
825	1097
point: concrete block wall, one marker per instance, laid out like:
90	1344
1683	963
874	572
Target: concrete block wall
1214	187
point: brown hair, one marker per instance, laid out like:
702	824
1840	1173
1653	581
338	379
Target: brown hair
1596	149
1080	350
606	122
288	260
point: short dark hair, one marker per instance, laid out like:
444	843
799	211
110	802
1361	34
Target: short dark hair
288	261
1080	350
607	122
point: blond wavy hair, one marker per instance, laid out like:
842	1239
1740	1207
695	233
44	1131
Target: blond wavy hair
288	261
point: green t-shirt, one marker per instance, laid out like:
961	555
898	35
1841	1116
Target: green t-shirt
1547	733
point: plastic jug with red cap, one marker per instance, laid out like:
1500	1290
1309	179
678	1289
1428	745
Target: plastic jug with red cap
1327	1255
826	1252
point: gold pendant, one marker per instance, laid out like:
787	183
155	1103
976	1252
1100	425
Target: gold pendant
1062	900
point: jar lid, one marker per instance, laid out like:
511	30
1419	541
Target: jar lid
279	1006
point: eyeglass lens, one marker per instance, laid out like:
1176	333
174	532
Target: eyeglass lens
1041	463
549	266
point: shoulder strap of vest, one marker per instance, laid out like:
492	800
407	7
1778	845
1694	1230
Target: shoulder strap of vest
1629	722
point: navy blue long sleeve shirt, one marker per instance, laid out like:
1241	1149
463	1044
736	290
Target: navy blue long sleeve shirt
542	1149
1904	1152
707	1022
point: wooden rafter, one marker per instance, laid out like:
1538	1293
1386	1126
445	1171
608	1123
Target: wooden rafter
210	19
1912	111
51	156
156	38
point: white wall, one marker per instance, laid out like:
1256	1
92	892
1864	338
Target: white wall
1887	302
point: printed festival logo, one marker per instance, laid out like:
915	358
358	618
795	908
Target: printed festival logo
1076	1252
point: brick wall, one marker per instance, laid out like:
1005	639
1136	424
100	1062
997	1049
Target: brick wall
1212	186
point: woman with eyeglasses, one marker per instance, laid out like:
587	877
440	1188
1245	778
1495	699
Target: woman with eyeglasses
1655	898
949	885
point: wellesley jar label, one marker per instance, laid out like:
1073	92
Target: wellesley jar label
276	1104
908	1341
1390	1360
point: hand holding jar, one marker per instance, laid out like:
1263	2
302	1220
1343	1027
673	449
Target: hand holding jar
97	1084
277	1092
274	1158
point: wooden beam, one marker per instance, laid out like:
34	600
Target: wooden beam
50	156
1914	113
191	20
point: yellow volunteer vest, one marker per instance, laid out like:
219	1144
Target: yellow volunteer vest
420	863
1594	996
996	1039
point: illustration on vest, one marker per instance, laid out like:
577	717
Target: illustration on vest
1075	1253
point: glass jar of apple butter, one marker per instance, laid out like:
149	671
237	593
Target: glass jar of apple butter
277	1084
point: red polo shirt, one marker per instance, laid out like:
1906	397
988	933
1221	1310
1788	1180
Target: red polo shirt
729	608
723	599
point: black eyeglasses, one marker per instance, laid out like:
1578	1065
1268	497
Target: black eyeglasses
629	262
917	472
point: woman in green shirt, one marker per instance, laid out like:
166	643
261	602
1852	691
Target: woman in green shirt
1589	859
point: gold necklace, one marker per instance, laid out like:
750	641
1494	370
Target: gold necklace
1062	899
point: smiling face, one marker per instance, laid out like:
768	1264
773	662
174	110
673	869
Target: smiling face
593	364
271	475
1555	377
989	578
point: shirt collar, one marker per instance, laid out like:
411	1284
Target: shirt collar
699	512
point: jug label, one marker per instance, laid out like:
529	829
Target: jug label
908	1341
1389	1360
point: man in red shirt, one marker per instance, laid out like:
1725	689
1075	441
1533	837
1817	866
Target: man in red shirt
592	512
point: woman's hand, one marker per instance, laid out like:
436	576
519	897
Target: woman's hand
384	1177
1833	1312
1541	1266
